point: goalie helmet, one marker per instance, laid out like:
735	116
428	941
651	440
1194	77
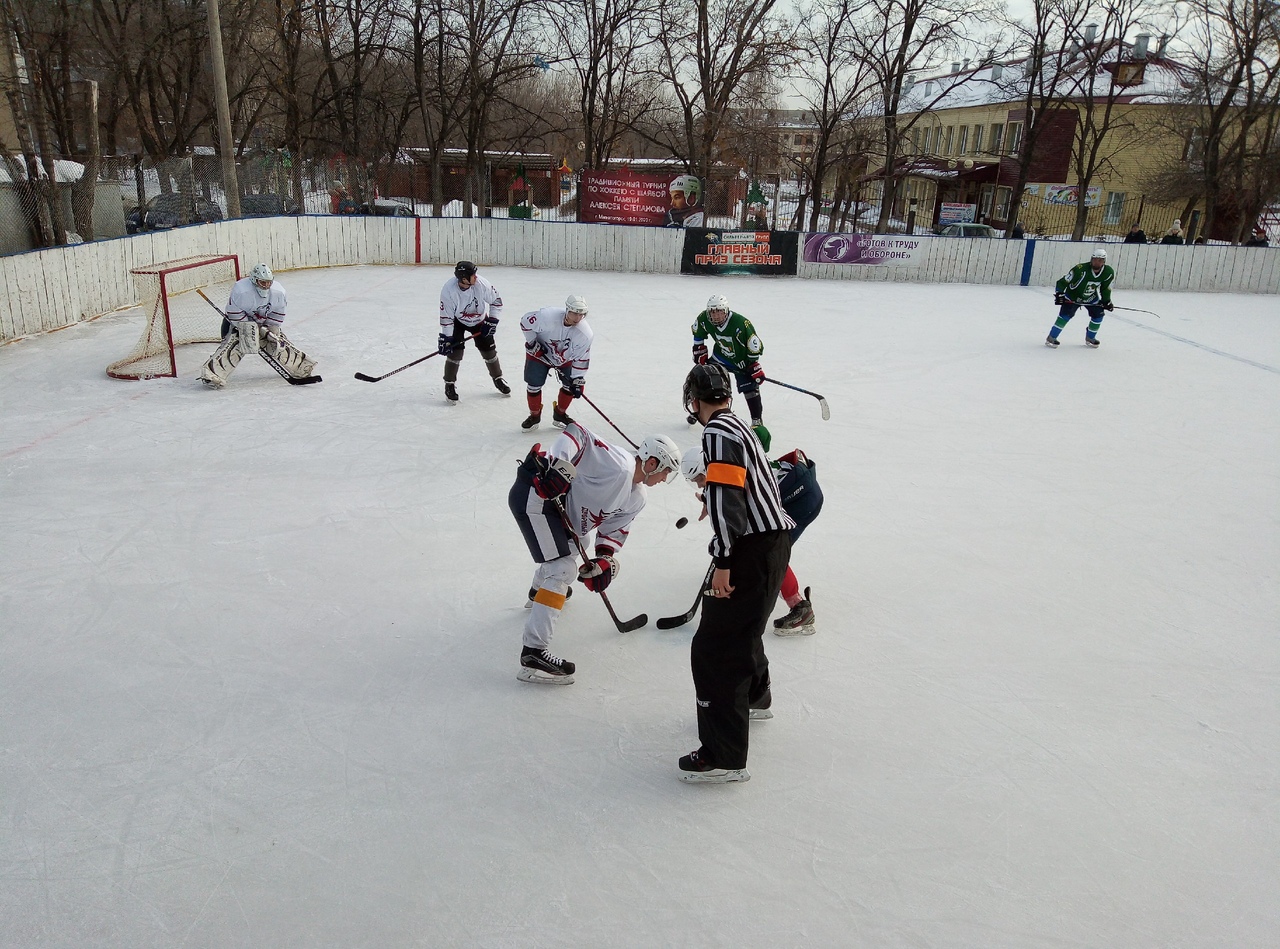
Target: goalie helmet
261	274
576	304
693	465
463	269
690	185
664	450
708	382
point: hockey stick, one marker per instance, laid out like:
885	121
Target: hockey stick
672	622
1135	310
826	411
363	378
610	421
623	627
269	360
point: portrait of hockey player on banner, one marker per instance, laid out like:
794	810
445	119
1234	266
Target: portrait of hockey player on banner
686	202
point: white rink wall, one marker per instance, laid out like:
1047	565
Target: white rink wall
49	289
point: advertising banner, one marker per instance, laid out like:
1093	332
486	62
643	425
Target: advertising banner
665	200
711	251
953	213
869	249
1069	194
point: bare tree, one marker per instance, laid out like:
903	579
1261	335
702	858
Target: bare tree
706	51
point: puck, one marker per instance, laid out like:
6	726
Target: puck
683	521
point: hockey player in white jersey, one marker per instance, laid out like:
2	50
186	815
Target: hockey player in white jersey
255	316
556	338
602	488
469	306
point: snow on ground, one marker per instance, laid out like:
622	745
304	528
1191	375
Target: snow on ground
257	667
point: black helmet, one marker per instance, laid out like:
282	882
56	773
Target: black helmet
708	382
464	268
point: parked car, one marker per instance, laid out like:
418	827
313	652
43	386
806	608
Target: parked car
968	230
170	210
266	205
388	207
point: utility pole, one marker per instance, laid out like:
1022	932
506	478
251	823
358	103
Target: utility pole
227	149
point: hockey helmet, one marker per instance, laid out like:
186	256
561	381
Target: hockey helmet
463	269
690	185
262	274
708	382
1099	253
664	450
693	465
576	304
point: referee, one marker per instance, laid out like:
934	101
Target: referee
750	551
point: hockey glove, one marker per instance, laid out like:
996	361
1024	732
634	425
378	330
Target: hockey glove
757	372
597	574
534	351
574	386
700	352
445	344
1060	299
551	476
489	327
1108	306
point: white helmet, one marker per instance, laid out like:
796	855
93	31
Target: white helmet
260	273
718	302
689	184
576	304
664	449
1099	253
693	465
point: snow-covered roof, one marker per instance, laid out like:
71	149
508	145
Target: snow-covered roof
65	172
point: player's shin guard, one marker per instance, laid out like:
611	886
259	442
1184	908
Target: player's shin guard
755	405
223	362
451	368
564	399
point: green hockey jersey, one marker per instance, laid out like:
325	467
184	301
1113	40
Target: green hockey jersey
735	343
1082	285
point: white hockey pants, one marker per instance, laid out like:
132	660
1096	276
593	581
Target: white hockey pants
551	581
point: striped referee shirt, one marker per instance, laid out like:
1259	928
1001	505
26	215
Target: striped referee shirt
741	493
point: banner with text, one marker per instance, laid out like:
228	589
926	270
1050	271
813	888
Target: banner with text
870	249
665	200
713	251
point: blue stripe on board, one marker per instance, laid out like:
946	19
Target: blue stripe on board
1027	256
1192	342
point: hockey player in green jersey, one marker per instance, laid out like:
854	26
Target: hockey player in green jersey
735	346
1087	285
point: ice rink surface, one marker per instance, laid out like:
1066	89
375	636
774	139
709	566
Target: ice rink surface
259	646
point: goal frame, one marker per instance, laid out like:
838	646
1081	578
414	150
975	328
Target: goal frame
162	271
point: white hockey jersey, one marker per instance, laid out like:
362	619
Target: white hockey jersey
468	307
562	346
245	304
602	497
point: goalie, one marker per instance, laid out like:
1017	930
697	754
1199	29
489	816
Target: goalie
254	317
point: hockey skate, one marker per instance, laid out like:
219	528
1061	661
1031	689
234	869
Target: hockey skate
211	382
500	384
1091	343
533	591
559	419
532	421
761	708
697	770
1051	342
799	622
451	393
538	665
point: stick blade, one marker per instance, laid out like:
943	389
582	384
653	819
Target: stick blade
674	622
633	624
363	378
305	381
826	410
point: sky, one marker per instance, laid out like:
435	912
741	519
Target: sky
258	647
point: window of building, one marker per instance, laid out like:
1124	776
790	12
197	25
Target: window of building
984	203
977	139
1115	208
915	140
962	144
1003	197
997	138
1014	138
946	148
936	143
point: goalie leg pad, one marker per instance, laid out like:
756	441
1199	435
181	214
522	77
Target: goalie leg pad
294	360
223	361
249	336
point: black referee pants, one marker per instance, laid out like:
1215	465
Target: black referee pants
730	669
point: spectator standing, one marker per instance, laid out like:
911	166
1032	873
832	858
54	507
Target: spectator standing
1136	235
1259	238
1173	235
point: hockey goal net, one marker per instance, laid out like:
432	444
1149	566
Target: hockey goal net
175	313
